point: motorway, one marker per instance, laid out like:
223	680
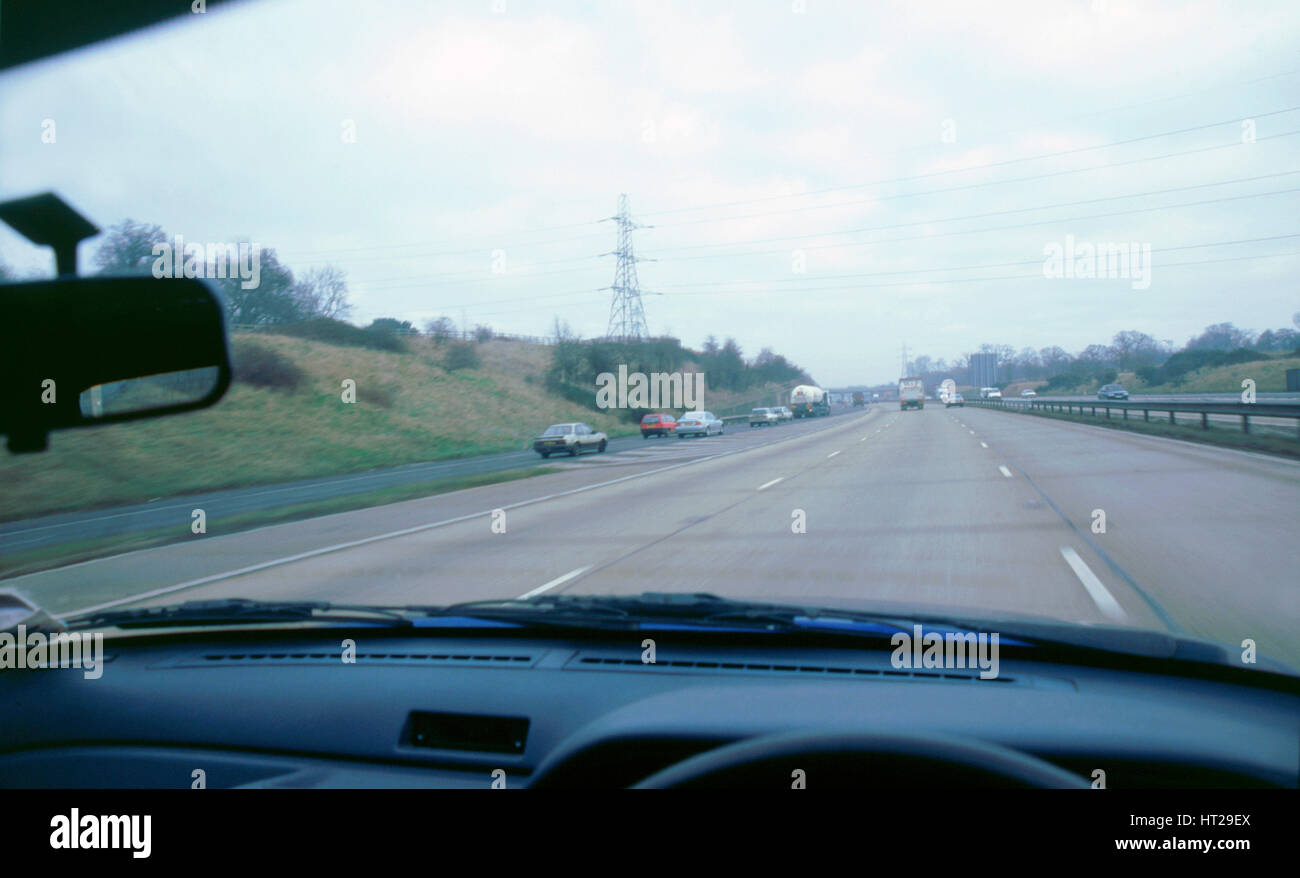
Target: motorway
52	530
951	509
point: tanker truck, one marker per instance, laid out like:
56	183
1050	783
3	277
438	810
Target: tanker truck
807	401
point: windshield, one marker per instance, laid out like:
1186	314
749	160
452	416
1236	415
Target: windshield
468	218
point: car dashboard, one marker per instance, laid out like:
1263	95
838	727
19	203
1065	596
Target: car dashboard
283	709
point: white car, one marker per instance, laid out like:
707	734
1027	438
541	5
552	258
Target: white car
698	424
570	439
784	412
1028	393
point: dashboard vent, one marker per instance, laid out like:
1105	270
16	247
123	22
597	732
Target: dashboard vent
458	658
592	662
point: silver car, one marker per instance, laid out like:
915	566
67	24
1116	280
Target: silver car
698	424
570	439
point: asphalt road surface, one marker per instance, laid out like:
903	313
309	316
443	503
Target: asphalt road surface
52	530
975	509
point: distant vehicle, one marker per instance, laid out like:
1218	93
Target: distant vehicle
859	398
571	439
875	396
764	418
783	411
990	393
699	424
1112	391
658	425
807	401
1028	392
956	399
911	394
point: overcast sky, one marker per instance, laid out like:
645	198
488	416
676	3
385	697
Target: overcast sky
888	142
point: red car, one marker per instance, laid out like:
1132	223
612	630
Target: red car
658	425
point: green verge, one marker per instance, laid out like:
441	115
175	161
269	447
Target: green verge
1219	436
34	560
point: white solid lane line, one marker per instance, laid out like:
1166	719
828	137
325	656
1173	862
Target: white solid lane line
984	445
559	580
1104	600
1006	472
771	483
832	454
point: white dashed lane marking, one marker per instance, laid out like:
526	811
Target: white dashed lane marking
1104	600
559	580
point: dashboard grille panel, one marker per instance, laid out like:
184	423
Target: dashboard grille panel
593	662
458	658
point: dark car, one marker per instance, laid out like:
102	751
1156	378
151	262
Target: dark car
658	425
1112	391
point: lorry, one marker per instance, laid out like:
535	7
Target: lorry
859	398
911	394
807	401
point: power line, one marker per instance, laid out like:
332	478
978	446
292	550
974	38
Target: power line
475	276
968	280
496	236
974	267
1101	112
968	186
999	164
525	300
983	231
951	219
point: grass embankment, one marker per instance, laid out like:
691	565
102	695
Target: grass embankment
408	409
291	423
31	561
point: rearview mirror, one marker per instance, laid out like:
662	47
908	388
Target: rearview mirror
81	351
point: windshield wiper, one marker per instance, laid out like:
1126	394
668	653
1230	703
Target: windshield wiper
709	612
667	611
697	611
238	611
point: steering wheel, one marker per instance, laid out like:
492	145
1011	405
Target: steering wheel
853	760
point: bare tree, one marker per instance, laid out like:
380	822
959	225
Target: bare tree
323	292
128	248
440	330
